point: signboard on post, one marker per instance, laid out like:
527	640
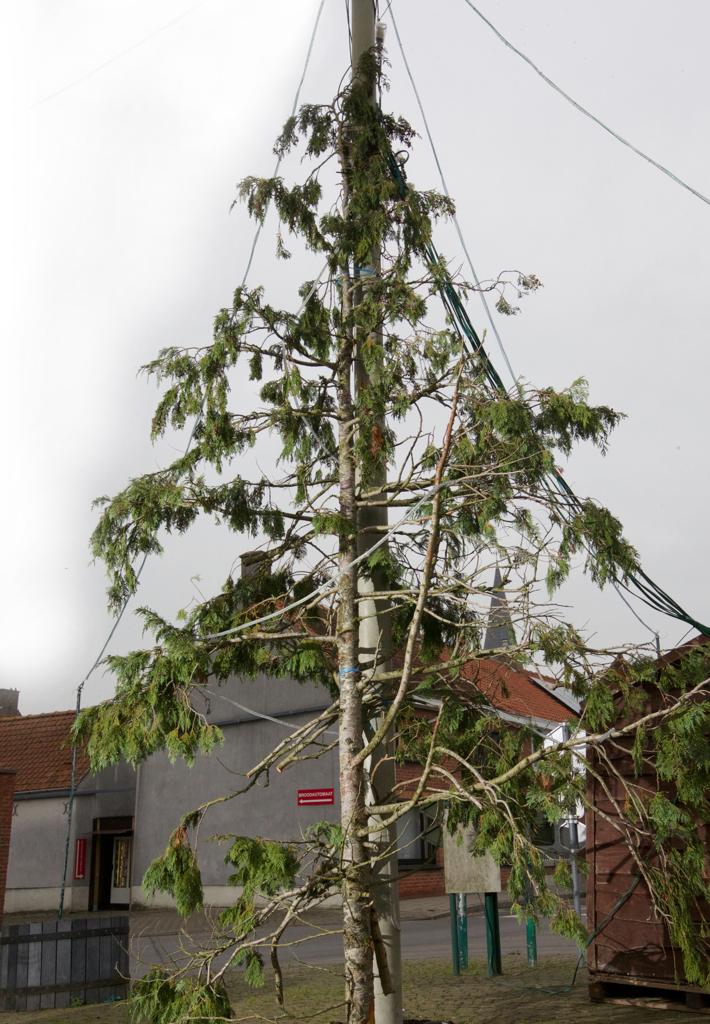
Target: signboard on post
316	797
462	871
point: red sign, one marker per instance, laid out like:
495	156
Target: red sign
80	859
315	797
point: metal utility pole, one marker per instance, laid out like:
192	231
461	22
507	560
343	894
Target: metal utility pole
458	911
375	638
493	947
574	846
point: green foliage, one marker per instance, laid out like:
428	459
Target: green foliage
326	834
494	501
261	866
158	998
176	873
566	922
253	965
151	709
562	875
682	892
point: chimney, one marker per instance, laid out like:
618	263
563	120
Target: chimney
8	703
255	563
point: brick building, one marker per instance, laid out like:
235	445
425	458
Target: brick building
38	749
7	789
520	698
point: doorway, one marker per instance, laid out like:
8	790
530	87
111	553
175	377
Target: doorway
111	863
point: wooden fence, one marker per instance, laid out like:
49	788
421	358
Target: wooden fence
54	964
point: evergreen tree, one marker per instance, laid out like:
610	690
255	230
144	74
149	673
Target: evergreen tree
467	469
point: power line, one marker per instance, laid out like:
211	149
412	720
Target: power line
462	240
268	718
568	504
587	113
329	585
257	233
139	571
651	630
119	56
445	187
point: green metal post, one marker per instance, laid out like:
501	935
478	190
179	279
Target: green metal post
455	959
462	922
495	965
531	929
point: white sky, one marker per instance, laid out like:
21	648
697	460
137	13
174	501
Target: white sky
117	240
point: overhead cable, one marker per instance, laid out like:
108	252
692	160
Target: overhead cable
270	718
587	113
445	188
331	585
139	571
462	240
118	56
567	503
277	167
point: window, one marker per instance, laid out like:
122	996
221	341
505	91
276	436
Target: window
418	837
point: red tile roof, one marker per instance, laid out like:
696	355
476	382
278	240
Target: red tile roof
38	748
514	690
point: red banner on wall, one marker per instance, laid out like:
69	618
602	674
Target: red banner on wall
315	797
80	859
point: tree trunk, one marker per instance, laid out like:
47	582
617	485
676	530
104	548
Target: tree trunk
357	943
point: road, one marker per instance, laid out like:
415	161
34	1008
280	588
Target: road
422	939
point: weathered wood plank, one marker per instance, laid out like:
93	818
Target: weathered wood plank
11	1000
632	990
81	932
29	965
48	967
654	964
47	964
74	989
78	953
62	999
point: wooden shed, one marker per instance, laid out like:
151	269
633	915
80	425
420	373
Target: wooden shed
632	958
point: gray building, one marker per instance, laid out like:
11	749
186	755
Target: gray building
37	748
254	716
122	818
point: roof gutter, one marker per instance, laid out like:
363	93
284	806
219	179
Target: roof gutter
39	794
542	725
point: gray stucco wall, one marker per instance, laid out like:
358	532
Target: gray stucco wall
167	791
110	794
36	845
161	792
38	838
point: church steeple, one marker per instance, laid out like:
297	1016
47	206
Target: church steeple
499	630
